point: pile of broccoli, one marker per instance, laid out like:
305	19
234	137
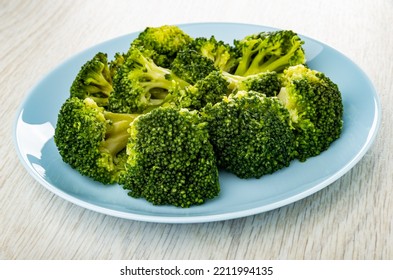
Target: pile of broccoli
162	118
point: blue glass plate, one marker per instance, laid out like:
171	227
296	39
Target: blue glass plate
36	119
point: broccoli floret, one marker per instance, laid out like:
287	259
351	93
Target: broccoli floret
223	55
93	80
139	84
316	109
192	66
269	51
170	159
210	89
250	134
268	83
92	140
162	43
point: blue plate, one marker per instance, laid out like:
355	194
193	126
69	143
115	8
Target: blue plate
36	119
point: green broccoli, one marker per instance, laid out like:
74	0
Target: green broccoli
223	55
192	66
269	51
170	159
316	109
250	134
139	84
162	43
92	140
268	83
93	80
210	89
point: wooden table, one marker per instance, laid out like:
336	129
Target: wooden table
350	219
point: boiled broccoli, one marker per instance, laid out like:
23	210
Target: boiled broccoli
139	84
162	43
269	51
250	134
223	55
93	80
315	107
92	140
192	66
170	159
161	118
210	89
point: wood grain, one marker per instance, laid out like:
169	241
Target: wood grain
350	219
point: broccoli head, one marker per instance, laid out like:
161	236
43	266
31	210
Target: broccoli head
223	55
250	134
192	66
269	51
93	80
316	109
210	89
92	140
139	84
162	43
170	159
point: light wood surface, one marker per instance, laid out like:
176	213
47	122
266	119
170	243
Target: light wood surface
350	219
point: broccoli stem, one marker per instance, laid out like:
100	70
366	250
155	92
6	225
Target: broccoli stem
233	80
115	144
158	93
118	117
157	78
102	101
100	82
117	135
246	59
282	62
158	73
257	64
154	86
163	77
